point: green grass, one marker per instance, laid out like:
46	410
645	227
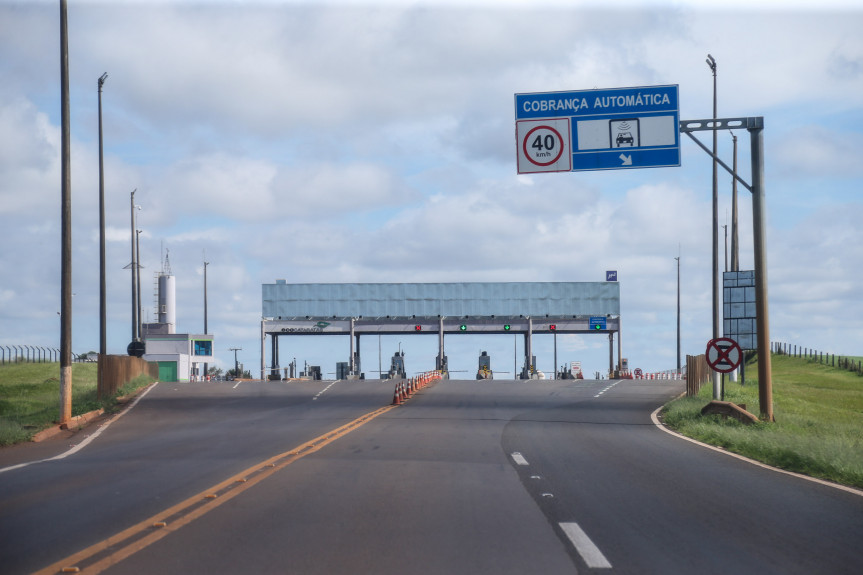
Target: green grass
30	397
819	420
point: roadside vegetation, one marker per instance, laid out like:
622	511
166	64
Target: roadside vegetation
30	397
819	420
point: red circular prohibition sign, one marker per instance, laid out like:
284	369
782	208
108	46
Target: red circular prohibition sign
527	154
723	354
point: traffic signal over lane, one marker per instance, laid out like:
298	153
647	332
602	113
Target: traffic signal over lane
463	327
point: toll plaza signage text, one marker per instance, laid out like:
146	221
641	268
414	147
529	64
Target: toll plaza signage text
607	129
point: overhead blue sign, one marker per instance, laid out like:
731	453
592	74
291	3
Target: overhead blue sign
598	323
611	129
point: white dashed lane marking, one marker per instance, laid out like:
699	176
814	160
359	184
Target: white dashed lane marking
586	548
519	458
591	554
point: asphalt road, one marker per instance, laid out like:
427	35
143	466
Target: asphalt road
466	477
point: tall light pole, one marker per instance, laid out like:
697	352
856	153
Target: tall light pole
206	366
138	278
134	268
678	314
66	228
717	391
103	306
206	263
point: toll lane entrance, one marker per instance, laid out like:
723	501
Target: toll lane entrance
439	308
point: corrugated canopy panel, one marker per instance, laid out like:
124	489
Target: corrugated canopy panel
445	299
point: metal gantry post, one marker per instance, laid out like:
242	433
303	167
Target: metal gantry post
619	345
610	354
263	346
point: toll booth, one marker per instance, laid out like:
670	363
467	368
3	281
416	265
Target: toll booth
312	372
397	366
342	370
529	369
484	370
442	365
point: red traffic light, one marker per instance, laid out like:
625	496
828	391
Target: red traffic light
418	328
552	327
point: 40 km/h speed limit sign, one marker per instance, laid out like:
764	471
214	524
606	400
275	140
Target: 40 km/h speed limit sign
543	145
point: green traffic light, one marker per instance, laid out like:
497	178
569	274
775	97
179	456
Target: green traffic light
506	327
463	327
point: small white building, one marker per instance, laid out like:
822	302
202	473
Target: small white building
181	356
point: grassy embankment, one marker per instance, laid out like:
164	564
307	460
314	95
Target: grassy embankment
30	397
819	420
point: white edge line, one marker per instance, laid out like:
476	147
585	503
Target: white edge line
591	554
89	438
657	423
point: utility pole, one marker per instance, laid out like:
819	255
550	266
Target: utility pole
66	228
236	363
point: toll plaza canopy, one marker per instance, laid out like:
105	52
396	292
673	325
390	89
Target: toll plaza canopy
432	300
471	307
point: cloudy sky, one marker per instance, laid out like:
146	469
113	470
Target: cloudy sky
353	141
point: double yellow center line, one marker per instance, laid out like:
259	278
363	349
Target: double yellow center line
111	551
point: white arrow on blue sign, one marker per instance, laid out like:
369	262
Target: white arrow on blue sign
617	128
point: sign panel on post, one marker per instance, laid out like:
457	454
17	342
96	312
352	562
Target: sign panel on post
608	129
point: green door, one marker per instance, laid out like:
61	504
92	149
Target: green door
168	371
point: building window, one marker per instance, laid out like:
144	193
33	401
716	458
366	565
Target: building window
203	347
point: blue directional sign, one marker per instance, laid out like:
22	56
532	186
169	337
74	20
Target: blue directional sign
617	128
598	323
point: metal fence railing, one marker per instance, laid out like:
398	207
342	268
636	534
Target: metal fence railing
28	353
822	357
39	354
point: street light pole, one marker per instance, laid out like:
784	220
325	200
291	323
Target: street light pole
138	278
206	263
206	366
134	268
678	314
103	306
717	386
